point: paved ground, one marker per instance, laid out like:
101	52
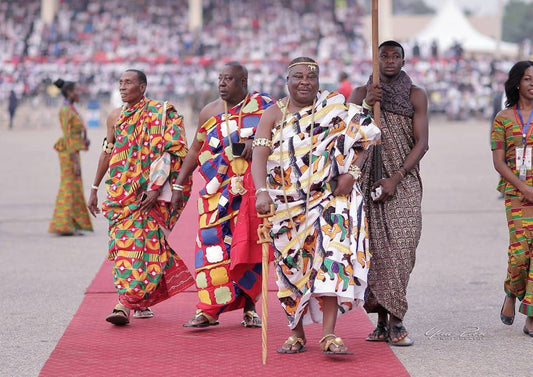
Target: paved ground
455	293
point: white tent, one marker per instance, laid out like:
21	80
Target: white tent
450	25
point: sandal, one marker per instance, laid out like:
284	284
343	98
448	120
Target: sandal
333	340
399	332
120	315
201	319
290	343
251	319
145	313
380	333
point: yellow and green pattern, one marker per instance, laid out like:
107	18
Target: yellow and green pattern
70	213
146	270
519	280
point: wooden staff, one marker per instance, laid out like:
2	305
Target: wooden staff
263	232
375	57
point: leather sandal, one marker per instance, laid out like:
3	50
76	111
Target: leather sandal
120	315
290	343
145	313
333	340
380	333
399	332
251	319
208	320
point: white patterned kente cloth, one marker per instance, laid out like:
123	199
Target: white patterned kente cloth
321	250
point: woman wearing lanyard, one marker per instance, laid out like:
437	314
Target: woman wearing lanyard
511	143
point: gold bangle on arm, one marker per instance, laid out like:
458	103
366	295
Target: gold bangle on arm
260	190
262	142
94	187
355	172
177	187
366	105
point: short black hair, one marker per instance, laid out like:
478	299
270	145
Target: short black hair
140	75
64	86
239	65
511	85
393	44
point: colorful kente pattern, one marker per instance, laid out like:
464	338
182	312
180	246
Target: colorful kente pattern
146	270
70	213
519	280
321	250
506	135
218	291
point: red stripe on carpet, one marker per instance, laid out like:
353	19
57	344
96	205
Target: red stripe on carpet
161	346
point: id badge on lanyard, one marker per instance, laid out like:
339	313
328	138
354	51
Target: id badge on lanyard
523	154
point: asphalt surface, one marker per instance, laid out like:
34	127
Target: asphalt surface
455	293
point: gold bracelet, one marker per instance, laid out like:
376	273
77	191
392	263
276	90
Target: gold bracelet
366	105
355	172
262	142
94	187
177	187
260	190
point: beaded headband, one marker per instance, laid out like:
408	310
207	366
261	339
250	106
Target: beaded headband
311	65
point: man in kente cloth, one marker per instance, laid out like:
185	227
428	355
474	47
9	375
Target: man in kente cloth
228	271
143	152
395	217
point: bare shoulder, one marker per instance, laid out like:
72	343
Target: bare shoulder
211	109
419	97
272	113
113	116
357	95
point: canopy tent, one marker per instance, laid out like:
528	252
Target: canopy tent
450	26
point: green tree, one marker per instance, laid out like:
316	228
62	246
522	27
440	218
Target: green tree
516	23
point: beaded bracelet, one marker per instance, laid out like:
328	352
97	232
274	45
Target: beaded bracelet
262	142
366	105
107	147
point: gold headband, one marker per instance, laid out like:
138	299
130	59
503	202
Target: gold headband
311	65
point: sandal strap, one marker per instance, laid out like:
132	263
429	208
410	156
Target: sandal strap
251	314
333	339
121	308
292	340
200	313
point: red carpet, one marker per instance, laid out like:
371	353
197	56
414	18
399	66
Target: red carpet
161	346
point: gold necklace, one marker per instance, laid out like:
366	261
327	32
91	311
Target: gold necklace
236	185
310	175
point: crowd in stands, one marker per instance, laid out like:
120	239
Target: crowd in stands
92	42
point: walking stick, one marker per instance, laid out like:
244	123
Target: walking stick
263	232
375	63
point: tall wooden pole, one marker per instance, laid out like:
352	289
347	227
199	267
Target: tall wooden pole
375	57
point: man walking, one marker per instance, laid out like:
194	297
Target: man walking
222	149
143	152
395	218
